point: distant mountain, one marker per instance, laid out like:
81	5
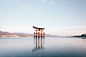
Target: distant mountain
5	33
48	35
83	35
25	34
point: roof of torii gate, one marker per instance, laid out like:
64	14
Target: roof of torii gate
38	28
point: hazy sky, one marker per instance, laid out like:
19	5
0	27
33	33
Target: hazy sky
59	17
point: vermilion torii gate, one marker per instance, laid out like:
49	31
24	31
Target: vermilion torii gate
38	31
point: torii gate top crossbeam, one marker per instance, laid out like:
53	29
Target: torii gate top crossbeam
38	28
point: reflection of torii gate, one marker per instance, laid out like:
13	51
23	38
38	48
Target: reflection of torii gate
39	44
37	33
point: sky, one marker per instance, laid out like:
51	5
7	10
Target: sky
58	17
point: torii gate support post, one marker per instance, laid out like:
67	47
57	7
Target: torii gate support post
36	34
42	33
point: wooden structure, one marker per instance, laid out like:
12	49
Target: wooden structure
39	32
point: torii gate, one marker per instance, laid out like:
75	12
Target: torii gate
37	33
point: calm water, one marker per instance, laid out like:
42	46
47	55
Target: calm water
59	47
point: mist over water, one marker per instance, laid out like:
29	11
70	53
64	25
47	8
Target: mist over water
60	47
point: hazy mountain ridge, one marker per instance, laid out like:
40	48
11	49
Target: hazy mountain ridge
27	34
5	33
82	35
24	34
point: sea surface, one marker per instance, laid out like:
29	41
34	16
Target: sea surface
48	47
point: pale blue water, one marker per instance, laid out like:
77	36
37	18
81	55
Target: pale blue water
28	47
